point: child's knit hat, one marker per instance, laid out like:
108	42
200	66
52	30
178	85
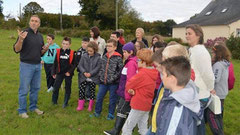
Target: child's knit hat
128	46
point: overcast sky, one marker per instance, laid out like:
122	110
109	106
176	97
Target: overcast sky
150	10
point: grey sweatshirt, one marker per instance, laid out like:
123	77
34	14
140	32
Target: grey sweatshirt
220	70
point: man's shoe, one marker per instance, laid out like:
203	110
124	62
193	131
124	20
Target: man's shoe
23	115
39	112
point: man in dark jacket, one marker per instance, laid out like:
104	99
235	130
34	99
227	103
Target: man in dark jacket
116	35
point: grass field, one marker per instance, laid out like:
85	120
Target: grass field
57	120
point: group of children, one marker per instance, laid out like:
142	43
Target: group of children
135	79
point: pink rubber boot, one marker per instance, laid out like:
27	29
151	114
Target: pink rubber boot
90	106
80	105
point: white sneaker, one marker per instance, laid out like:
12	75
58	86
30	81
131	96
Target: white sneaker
39	112
50	89
23	115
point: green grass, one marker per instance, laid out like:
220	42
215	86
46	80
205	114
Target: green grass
57	120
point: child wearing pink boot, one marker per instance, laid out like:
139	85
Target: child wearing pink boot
89	67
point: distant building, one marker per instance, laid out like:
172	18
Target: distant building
220	18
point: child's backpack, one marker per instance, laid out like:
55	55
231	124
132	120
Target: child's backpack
231	77
70	57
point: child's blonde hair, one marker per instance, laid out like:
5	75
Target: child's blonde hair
175	50
145	55
173	43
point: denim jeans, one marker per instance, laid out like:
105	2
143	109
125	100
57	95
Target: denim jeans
112	98
30	79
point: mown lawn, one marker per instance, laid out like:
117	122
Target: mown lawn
57	120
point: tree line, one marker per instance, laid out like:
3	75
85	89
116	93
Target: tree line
99	13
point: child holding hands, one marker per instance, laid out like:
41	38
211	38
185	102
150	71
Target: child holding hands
89	67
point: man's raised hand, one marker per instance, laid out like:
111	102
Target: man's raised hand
22	35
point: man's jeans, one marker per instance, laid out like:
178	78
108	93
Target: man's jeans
112	97
30	79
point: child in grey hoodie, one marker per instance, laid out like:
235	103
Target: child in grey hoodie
221	57
179	109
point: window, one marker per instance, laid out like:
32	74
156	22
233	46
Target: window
208	13
224	10
238	33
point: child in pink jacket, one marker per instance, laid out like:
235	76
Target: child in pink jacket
129	70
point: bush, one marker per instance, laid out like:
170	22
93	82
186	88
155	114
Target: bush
46	30
10	24
105	34
179	40
75	33
81	33
210	43
233	44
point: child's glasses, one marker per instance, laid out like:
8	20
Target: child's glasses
109	46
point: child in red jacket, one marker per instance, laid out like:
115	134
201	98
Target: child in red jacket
141	86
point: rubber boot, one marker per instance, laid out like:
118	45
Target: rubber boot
117	127
90	106
66	98
80	105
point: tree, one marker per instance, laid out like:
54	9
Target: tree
163	28
89	9
1	9
130	20
168	27
157	27
103	12
32	8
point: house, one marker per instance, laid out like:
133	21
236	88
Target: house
220	18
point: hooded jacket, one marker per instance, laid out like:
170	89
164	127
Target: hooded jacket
111	67
143	83
220	70
89	64
178	112
79	54
129	70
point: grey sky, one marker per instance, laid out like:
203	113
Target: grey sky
150	10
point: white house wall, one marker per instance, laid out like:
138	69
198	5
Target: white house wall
210	32
234	26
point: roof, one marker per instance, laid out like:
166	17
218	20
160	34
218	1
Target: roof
217	12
